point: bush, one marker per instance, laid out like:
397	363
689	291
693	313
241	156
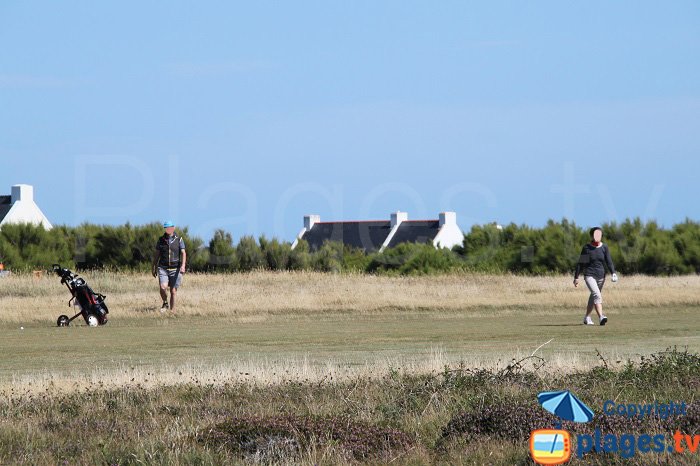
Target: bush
299	257
411	258
329	257
686	240
277	255
355	259
279	438
515	420
222	252
249	255
26	247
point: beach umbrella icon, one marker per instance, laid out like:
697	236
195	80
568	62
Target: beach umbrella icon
565	405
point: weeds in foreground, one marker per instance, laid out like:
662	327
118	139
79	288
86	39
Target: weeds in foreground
455	416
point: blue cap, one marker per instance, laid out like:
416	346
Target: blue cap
168	224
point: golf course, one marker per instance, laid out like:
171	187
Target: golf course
310	324
402	353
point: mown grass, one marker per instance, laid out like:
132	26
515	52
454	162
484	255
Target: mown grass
456	415
164	349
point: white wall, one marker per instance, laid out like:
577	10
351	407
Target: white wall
24	209
450	234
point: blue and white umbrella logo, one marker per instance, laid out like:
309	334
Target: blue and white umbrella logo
565	405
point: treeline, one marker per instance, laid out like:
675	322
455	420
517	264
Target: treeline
636	247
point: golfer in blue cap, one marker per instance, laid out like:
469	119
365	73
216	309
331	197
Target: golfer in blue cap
169	263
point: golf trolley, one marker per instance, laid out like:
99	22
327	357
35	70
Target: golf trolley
89	304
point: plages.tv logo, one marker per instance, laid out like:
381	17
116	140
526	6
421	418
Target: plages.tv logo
553	446
550	446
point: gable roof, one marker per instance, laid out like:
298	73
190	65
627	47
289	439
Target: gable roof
415	231
376	235
366	235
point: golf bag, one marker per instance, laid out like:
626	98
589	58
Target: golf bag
89	304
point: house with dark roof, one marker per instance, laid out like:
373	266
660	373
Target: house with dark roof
377	235
19	207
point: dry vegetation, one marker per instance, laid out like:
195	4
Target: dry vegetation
454	416
261	295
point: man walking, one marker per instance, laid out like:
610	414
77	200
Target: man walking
169	263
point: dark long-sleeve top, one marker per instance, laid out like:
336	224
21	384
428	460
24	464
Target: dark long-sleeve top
593	261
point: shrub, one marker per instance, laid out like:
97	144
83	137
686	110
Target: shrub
328	258
222	253
257	436
515	420
299	257
686	240
412	258
276	254
355	259
26	246
248	254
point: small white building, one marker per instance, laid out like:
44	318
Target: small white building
377	235
19	207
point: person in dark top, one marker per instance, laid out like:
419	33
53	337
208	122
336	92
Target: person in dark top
595	256
169	262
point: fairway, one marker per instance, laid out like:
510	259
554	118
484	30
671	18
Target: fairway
315	327
392	337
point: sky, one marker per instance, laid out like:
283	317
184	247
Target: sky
248	115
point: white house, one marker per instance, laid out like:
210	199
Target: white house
19	207
377	235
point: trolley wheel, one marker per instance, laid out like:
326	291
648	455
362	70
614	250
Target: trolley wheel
93	321
63	321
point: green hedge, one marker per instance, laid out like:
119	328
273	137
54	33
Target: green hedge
636	247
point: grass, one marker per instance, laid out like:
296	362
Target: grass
274	350
267	325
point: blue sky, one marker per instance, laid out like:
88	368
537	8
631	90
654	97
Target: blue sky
248	115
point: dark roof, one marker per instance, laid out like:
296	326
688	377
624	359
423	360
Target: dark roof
415	231
5	200
4	209
367	235
370	235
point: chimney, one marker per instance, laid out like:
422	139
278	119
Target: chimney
398	217
309	220
22	192
448	218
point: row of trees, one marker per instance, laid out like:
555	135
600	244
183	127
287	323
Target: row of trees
636	247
